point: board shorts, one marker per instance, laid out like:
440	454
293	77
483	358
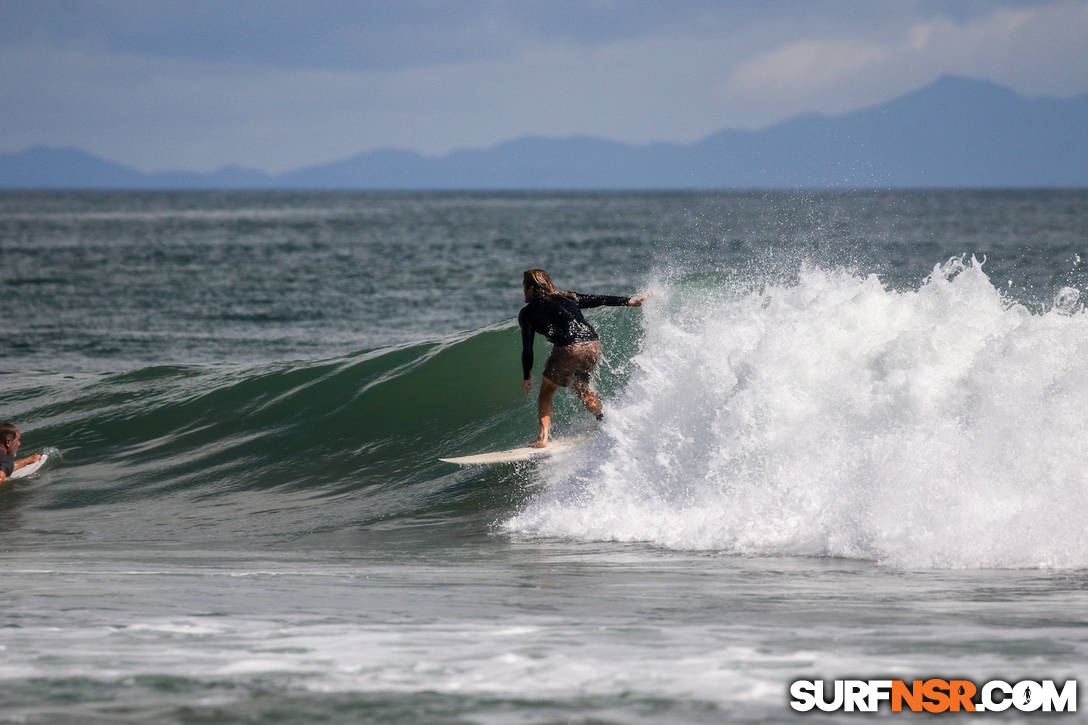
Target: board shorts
570	364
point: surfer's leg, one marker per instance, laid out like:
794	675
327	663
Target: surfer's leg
588	398
589	353
544	411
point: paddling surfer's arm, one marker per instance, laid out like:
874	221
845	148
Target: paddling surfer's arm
27	461
16	465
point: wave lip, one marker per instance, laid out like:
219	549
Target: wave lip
831	416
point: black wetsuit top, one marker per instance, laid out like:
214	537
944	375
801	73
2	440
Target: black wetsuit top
7	464
559	318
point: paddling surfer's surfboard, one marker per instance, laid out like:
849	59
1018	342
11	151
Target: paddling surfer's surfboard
32	468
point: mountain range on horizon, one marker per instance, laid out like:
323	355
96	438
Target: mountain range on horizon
955	132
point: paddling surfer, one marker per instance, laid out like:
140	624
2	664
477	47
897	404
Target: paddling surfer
10	440
576	348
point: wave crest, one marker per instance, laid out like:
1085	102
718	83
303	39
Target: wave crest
936	427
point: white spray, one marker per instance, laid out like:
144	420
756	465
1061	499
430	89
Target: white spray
941	427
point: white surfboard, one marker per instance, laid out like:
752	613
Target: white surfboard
30	469
516	454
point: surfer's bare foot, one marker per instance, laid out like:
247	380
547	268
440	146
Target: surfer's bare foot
539	444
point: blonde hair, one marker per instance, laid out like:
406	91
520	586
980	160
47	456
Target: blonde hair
539	286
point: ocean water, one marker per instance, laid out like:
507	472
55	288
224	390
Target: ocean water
845	438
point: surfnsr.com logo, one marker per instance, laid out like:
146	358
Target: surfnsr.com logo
933	695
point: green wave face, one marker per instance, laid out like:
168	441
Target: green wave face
320	445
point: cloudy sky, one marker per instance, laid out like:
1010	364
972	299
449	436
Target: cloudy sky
278	84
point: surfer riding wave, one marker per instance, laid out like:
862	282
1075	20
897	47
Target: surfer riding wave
576	348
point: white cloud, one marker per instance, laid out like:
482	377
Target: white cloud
1037	50
805	66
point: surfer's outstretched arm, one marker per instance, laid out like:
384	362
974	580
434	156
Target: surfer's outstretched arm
586	301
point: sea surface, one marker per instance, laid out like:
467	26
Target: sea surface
845	438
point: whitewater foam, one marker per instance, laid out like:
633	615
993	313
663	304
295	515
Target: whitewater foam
832	416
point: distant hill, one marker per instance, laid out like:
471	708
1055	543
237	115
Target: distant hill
954	132
43	167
